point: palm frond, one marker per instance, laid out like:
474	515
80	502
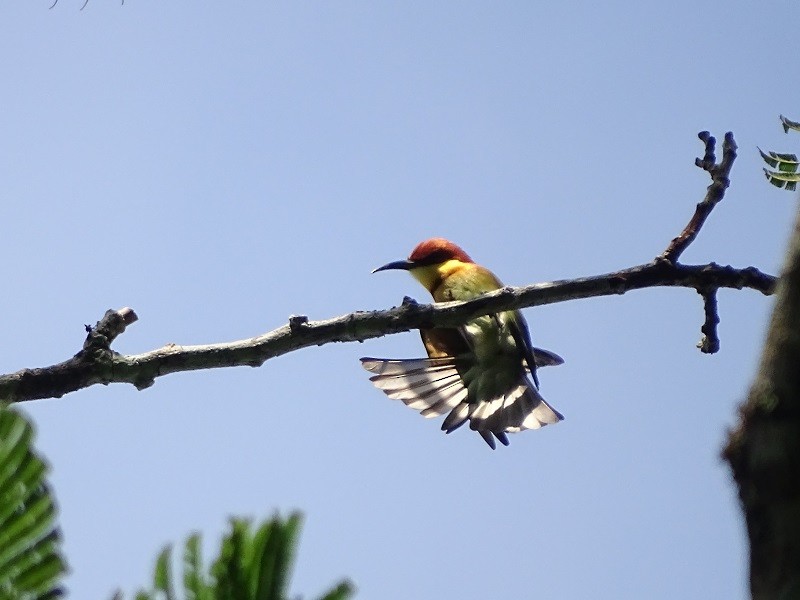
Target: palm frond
253	564
31	565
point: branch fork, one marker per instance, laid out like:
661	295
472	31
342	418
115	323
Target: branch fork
720	180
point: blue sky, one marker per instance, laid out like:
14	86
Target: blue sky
220	167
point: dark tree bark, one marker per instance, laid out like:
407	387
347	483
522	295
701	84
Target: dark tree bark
764	449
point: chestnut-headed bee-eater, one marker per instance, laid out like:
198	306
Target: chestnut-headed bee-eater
476	373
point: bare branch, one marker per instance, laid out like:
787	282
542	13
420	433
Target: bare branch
97	363
709	343
720	174
108	328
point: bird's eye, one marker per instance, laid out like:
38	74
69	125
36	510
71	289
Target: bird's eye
434	258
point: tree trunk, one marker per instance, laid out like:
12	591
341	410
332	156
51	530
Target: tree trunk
764	449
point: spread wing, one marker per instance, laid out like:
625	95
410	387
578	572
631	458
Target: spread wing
434	386
493	398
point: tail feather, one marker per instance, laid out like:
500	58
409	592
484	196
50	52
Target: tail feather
400	389
536	413
445	405
457	417
488	437
435	402
545	358
514	412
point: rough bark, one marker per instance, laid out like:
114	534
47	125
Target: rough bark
764	449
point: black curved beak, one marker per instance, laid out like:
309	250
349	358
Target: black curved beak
405	265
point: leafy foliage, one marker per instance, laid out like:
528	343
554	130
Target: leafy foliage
253	564
786	176
786	163
787	124
31	565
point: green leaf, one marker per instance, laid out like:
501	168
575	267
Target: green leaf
268	561
787	163
31	565
343	591
194	579
284	555
162	577
787	181
787	124
17	437
229	568
254	571
37	562
37	579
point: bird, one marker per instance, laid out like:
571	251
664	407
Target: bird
483	372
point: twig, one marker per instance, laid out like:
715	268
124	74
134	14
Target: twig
720	180
709	343
108	328
720	174
97	363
